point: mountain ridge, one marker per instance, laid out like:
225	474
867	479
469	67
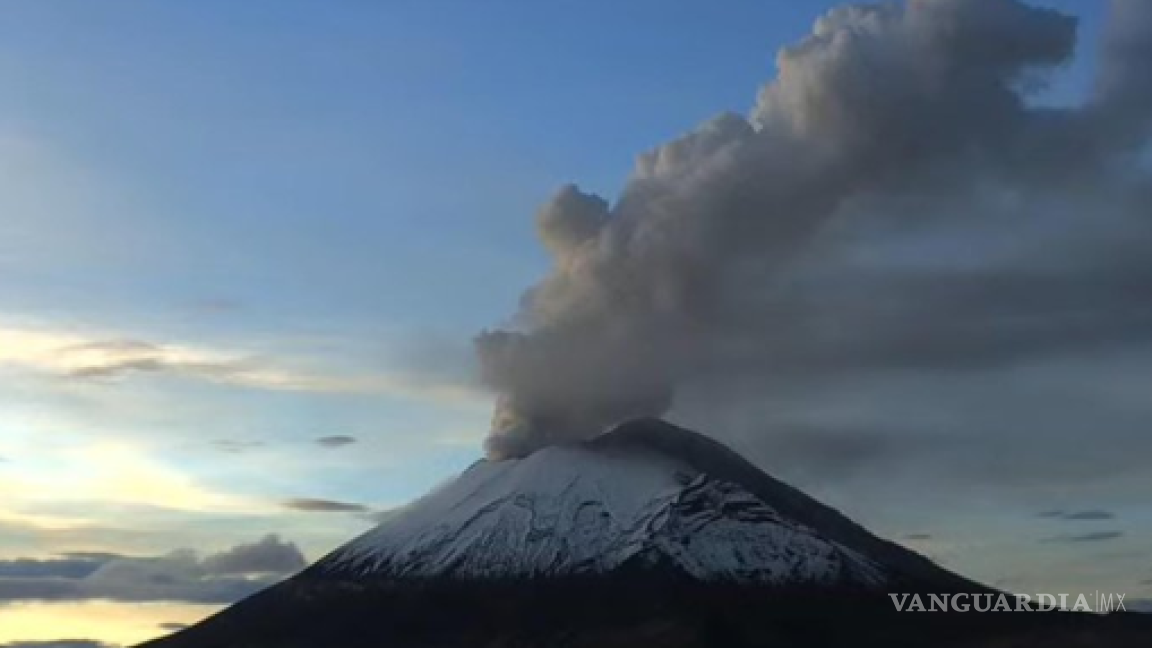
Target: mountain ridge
711	456
647	535
589	507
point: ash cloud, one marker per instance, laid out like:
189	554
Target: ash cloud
893	201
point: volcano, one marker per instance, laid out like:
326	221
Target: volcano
648	535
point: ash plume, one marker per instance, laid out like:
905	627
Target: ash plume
771	245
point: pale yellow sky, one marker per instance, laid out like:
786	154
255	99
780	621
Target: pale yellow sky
124	463
120	623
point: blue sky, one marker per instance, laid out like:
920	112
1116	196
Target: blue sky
302	212
312	163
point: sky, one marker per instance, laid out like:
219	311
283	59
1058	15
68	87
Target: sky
245	247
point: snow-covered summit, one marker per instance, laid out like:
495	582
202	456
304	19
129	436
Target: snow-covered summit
620	500
648	535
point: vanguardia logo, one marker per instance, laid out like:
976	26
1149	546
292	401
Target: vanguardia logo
1099	602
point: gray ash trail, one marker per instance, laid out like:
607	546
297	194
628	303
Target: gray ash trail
712	263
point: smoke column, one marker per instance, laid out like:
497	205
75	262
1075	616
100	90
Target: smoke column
894	115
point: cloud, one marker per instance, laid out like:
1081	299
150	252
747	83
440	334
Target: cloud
918	536
108	359
1086	515
234	446
895	206
1123	96
1095	536
71	567
181	575
119	358
270	555
312	505
41	589
336	441
1090	515
101	556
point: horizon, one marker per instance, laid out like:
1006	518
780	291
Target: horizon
246	250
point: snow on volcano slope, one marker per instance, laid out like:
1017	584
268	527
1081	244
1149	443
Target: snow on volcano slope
576	509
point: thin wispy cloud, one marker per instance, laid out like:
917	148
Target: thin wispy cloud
313	505
90	555
235	446
1090	515
1095	536
39	521
108	359
1081	516
336	441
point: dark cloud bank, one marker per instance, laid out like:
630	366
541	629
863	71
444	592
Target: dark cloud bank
897	253
182	575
